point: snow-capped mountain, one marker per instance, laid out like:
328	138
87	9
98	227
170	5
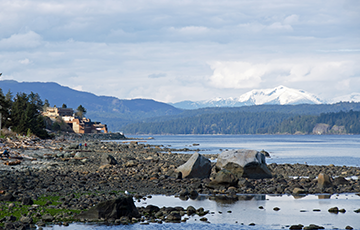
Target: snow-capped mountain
354	97
280	95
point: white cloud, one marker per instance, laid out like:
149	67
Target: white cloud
21	41
24	61
190	30
161	49
236	74
334	74
292	19
279	26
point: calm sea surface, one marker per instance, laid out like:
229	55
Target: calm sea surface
311	209
313	149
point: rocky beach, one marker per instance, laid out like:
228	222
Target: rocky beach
56	181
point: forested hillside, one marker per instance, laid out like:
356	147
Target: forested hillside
254	123
325	123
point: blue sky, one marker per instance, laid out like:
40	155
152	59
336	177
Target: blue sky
172	51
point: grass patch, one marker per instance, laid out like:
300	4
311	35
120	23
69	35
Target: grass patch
44	199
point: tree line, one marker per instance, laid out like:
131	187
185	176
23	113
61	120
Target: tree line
248	123
22	114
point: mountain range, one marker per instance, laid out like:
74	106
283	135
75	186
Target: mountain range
280	95
117	113
109	110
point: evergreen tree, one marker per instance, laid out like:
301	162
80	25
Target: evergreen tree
46	104
80	111
4	110
26	117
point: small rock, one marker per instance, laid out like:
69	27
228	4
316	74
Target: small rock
297	226
47	218
334	210
26	220
27	201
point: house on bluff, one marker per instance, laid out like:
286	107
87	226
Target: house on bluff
78	125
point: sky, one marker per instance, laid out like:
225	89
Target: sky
172	51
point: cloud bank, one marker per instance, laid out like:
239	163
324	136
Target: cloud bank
186	50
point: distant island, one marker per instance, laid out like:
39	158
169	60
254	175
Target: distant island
254	123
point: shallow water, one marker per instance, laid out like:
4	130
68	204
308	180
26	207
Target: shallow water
293	210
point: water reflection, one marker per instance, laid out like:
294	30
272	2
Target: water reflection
226	199
324	196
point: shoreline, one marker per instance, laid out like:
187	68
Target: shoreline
75	179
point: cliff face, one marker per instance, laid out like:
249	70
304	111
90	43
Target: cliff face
327	129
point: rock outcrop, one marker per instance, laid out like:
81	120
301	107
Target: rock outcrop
197	166
251	161
111	209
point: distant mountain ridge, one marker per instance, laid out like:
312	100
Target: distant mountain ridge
280	95
354	97
110	110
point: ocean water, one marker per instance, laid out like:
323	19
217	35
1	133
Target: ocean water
313	149
311	209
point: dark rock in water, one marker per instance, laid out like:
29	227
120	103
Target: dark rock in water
7	197
314	226
334	210
122	206
190	210
252	161
27	201
108	159
193	194
197	166
297	226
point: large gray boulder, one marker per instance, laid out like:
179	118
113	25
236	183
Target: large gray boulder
252	161
111	209
107	159
197	166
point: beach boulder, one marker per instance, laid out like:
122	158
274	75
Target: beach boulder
111	209
224	177
251	162
324	181
197	166
107	159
